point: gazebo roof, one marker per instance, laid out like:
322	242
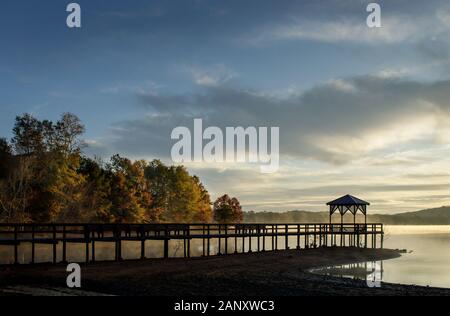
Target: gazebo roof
348	200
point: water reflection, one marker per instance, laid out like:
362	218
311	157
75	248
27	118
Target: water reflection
371	272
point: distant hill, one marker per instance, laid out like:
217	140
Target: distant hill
435	216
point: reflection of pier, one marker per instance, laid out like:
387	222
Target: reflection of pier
357	271
229	237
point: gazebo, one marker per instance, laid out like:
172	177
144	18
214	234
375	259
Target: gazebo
348	203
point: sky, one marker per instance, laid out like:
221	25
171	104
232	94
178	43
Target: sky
364	111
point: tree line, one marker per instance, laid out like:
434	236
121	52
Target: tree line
45	177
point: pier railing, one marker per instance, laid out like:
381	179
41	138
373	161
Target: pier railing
253	237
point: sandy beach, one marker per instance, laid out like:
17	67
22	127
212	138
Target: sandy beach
279	273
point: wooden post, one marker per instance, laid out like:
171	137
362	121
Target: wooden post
273	237
298	237
365	235
320	235
306	236
235	238
219	241
226	239
16	241
118	236
189	241
64	245
264	238
54	243
142	244
259	235
286	241
166	242
32	244
250	232
315	236
93	249
203	240
276	237
86	236
209	242
243	238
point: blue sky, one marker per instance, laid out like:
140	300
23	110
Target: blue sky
360	110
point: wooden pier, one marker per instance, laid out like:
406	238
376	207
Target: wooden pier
229	237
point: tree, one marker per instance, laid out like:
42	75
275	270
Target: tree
227	210
178	196
51	152
5	158
16	192
130	195
204	212
66	134
44	177
28	135
97	191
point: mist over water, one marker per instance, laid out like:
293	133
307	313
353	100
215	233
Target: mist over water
429	261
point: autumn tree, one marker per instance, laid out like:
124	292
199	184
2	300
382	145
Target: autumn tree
44	177
16	192
50	152
96	191
227	210
130	195
178	196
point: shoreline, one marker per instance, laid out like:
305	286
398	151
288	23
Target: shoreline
275	273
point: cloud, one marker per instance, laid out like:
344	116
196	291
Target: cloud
393	30
396	28
212	76
365	135
338	122
148	87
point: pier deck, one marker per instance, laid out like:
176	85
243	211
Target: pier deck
251	237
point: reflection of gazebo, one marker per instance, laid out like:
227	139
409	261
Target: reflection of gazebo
348	203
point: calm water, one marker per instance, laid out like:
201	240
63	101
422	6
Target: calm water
426	263
429	262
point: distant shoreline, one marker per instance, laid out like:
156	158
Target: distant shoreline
278	273
434	216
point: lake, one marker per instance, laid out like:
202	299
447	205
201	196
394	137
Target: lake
426	263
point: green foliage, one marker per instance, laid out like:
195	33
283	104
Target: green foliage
44	177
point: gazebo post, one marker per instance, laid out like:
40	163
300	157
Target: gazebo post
365	231
342	224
